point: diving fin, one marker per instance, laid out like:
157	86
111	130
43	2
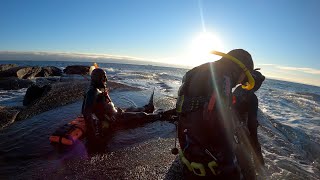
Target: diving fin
149	108
151	98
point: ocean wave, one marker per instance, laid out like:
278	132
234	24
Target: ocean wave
306	101
288	151
12	97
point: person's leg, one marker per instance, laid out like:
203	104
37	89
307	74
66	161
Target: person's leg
134	119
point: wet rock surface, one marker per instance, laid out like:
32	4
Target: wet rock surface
148	160
13	83
8	115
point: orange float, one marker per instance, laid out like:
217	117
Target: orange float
69	133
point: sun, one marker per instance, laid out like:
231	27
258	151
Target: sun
201	46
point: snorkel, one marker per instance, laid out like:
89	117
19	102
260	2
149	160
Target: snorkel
249	85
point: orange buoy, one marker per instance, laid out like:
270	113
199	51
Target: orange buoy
69	133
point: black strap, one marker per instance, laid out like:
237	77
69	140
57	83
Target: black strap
60	139
191	104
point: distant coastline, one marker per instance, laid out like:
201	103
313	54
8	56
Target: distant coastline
80	57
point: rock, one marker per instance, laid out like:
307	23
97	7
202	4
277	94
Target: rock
34	92
50	71
4	67
25	72
77	69
7	115
28	72
13	83
12	72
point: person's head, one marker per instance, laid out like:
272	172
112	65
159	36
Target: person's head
258	78
99	78
237	72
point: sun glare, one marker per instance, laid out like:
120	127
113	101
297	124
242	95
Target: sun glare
201	46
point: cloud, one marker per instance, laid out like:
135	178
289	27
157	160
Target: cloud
303	75
305	70
64	56
266	65
298	69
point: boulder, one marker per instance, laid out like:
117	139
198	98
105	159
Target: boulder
50	71
13	83
28	72
8	115
34	92
77	69
4	67
12	72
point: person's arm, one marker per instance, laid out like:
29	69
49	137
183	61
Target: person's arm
88	105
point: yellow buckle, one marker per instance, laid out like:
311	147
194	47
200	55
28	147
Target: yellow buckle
199	166
213	165
193	166
185	160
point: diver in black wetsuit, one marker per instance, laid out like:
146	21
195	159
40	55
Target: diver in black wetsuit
247	106
101	116
206	121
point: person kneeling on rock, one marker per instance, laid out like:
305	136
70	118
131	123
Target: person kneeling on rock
101	115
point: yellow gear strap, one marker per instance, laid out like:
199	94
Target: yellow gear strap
185	160
180	103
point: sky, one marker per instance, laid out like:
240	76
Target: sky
282	35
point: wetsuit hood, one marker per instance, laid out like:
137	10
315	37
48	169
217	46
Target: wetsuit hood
233	69
98	78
